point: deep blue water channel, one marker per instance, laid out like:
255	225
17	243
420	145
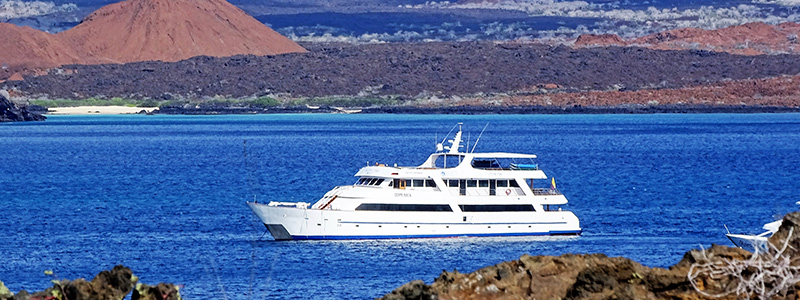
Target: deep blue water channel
165	195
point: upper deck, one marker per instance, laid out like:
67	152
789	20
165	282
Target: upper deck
471	165
448	162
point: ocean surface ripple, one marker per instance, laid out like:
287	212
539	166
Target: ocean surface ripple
165	195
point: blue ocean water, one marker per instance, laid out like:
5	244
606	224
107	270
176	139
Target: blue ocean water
165	195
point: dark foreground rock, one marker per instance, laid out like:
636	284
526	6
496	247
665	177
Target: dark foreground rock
570	276
10	112
108	285
596	276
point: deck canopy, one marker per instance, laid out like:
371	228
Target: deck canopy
492	160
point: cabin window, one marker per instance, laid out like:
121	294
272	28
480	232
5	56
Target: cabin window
408	182
430	183
452	183
485	164
399	184
373	181
513	183
483	183
419	183
379	181
502	183
447	161
496	207
472	183
403	207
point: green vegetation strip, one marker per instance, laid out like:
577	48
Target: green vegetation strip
228	102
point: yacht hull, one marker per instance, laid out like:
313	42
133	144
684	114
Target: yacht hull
292	223
750	242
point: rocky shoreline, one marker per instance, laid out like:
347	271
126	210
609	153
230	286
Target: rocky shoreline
11	112
114	284
477	110
719	272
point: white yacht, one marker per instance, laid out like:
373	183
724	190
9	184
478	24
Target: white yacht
755	243
451	194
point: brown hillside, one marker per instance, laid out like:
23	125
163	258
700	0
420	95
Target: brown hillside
28	48
747	39
143	30
586	40
173	30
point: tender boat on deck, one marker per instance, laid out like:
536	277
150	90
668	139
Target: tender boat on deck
451	194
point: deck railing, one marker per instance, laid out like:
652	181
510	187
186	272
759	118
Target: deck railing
545	191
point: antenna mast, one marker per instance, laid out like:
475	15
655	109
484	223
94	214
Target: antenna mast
479	138
250	182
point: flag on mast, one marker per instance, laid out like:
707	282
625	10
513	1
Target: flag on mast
553	183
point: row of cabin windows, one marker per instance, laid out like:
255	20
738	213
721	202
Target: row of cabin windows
496	207
404	207
403	183
482	183
370	181
444	207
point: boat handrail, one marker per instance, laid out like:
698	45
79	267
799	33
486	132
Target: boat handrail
545	191
303	205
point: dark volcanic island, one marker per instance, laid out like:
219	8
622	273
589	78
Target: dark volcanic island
410	70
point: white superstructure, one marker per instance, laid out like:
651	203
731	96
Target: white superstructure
451	194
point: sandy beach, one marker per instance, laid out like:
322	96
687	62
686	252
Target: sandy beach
97	110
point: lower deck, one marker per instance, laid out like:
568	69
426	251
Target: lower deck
297	223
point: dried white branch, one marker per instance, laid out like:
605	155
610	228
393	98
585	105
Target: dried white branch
766	274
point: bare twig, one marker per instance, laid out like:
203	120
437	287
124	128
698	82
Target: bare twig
764	275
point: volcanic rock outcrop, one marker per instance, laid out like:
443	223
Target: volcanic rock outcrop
143	30
10	112
414	70
596	276
114	284
747	39
570	276
587	40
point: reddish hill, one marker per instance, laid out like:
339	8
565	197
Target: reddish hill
747	39
143	30
28	48
587	40
173	30
751	38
